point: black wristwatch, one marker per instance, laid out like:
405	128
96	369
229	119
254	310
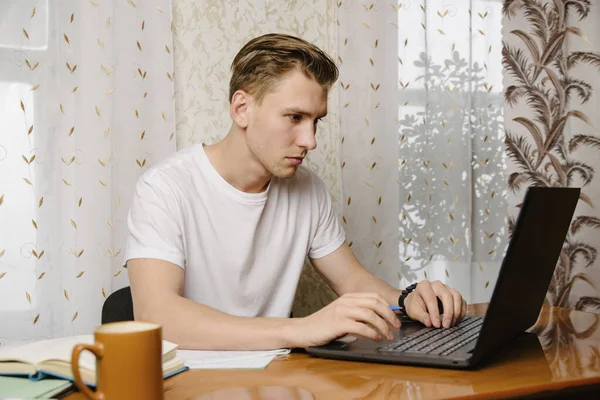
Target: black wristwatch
402	297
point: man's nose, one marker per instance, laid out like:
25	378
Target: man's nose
308	138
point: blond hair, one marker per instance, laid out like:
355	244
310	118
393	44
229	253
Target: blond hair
265	59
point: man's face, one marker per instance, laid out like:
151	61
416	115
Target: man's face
281	130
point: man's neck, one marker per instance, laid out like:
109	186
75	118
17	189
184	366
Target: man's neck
237	165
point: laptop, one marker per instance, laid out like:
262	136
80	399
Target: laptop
518	296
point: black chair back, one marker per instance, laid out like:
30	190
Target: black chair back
118	306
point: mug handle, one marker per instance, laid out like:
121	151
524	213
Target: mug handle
98	351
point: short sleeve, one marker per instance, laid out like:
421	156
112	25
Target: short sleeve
154	229
330	234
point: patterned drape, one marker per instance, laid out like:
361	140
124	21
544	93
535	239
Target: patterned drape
86	105
552	74
422	140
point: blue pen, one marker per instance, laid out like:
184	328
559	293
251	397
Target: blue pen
440	307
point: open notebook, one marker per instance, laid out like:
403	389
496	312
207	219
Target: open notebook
53	358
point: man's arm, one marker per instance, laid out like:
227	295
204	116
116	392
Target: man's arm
157	289
345	274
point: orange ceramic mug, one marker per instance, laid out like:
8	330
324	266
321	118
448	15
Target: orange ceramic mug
128	362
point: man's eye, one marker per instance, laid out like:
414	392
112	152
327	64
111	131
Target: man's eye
295	117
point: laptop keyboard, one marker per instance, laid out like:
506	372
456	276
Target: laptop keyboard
437	341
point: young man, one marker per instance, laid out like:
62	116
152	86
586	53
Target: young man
218	234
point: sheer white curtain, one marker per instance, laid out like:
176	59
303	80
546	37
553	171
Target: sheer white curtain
86	105
424	189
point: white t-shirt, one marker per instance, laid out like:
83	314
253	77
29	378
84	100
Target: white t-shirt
242	253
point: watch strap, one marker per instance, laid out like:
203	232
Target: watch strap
408	290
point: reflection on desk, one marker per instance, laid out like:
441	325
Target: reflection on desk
259	392
558	357
571	342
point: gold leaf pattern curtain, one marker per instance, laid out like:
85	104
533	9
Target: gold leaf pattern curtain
86	105
422	153
552	75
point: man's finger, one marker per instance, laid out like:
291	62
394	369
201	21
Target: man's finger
448	305
378	305
458	302
421	315
360	329
425	291
464	309
370	317
444	293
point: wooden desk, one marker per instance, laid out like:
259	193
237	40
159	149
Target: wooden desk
566	358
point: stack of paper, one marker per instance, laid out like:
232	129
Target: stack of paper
200	359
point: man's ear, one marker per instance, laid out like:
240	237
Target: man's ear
239	108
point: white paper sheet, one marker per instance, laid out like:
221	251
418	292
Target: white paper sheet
200	359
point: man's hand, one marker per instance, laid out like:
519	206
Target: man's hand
421	305
360	314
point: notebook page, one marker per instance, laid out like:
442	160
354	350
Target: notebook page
51	349
200	359
59	349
